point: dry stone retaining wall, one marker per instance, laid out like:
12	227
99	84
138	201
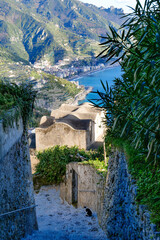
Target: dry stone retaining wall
16	188
121	218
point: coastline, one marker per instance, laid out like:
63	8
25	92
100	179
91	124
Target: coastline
82	94
76	77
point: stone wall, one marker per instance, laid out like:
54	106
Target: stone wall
90	186
121	218
16	187
113	200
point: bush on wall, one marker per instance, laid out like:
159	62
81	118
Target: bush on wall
19	99
53	161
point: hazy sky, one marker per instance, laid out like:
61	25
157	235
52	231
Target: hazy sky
116	3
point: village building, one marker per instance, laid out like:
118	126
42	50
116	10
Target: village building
71	125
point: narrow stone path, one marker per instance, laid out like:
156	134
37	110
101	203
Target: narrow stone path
60	221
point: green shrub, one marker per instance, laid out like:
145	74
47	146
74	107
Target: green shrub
53	161
98	165
7	101
20	97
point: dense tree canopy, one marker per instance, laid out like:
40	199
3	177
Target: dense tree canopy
133	103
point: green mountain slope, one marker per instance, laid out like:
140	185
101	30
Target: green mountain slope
45	32
53	29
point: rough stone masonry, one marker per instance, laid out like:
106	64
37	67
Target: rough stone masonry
121	218
16	187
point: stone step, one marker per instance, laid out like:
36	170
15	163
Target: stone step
49	235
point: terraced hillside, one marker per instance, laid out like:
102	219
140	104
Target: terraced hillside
53	29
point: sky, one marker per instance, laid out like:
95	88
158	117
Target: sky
116	3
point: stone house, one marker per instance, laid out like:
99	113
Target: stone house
71	125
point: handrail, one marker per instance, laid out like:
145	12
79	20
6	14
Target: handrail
18	210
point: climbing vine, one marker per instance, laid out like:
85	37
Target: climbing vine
16	101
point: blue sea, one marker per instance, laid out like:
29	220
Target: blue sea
94	80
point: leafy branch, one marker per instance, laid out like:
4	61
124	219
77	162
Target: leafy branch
133	104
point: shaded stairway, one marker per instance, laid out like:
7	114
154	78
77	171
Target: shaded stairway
60	221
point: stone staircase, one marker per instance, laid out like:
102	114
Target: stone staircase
58	220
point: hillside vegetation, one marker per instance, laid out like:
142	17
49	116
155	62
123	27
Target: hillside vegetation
53	29
133	103
47	31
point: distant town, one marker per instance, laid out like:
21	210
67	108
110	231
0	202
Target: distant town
63	71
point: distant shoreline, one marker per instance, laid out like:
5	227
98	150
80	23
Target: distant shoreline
75	77
82	95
